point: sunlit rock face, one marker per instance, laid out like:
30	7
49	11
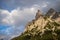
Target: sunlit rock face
40	21
43	27
37	22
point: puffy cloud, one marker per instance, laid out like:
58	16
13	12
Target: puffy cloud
16	20
11	4
17	15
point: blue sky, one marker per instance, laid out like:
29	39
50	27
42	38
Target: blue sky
14	14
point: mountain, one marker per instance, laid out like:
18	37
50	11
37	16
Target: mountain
43	27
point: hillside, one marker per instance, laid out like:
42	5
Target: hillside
43	27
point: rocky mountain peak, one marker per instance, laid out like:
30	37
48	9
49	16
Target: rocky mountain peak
43	27
38	14
50	12
41	22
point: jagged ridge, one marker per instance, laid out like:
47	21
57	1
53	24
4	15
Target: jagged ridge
43	27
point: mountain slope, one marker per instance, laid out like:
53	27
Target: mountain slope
43	27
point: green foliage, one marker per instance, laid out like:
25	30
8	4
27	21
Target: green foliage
48	34
58	33
56	24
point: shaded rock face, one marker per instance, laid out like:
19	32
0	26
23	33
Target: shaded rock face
43	27
53	15
50	12
56	15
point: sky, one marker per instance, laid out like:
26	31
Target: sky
15	14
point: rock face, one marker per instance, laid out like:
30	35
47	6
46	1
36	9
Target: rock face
43	27
50	12
38	14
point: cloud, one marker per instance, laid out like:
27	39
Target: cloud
43	4
18	17
12	4
16	20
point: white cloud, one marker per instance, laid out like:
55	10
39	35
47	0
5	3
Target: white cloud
17	15
17	18
45	4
